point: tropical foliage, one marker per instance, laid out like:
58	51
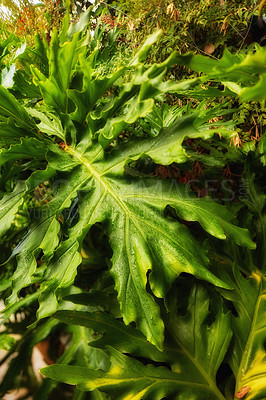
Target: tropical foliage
130	224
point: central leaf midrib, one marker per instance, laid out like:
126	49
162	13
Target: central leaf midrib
128	213
113	193
205	375
145	377
173	380
134	218
117	198
99	178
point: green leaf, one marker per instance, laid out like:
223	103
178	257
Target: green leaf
243	74
133	213
145	48
42	234
62	59
80	25
232	67
10	108
125	372
255	201
24	351
13	308
115	333
78	352
95	298
262	149
194	351
9	205
11	202
26	149
6	342
51	125
149	248
247	355
9	133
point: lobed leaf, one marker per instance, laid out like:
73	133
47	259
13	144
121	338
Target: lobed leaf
193	353
248	356
11	108
243	74
149	248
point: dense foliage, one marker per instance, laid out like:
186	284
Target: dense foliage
132	226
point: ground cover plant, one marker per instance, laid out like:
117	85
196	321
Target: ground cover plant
107	238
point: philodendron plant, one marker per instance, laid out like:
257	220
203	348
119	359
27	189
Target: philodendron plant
76	139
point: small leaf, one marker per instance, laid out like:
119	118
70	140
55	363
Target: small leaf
6	342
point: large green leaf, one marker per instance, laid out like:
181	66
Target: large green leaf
133	213
149	248
140	235
193	352
242	74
